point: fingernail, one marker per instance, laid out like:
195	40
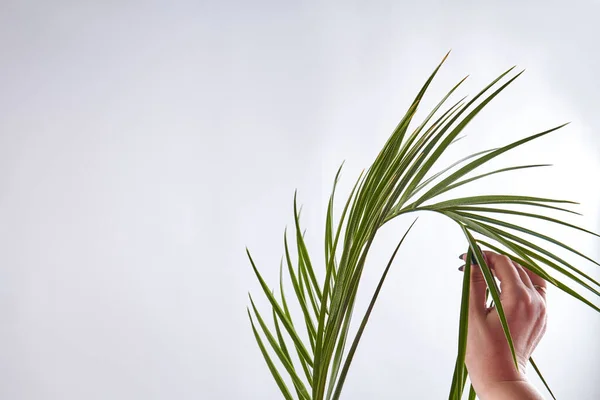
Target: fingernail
461	256
461	268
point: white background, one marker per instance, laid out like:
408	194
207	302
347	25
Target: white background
143	145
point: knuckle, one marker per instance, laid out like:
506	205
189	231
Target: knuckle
527	299
533	305
542	308
505	259
527	302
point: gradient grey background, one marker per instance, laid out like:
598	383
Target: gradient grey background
144	144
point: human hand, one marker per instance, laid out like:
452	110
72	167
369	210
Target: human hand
488	358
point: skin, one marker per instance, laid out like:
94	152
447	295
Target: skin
488	357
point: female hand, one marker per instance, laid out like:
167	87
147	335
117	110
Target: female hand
488	357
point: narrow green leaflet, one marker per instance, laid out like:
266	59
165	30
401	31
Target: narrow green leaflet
286	310
498	171
329	219
537	371
448	168
472	394
499	199
281	340
310	326
522	214
460	370
303	252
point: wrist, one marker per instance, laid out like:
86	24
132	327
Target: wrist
487	377
507	390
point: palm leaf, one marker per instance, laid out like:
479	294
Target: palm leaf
404	170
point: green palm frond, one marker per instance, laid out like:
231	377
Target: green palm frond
308	354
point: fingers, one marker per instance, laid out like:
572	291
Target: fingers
514	279
506	272
512	287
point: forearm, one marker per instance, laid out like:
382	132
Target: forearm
510	390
